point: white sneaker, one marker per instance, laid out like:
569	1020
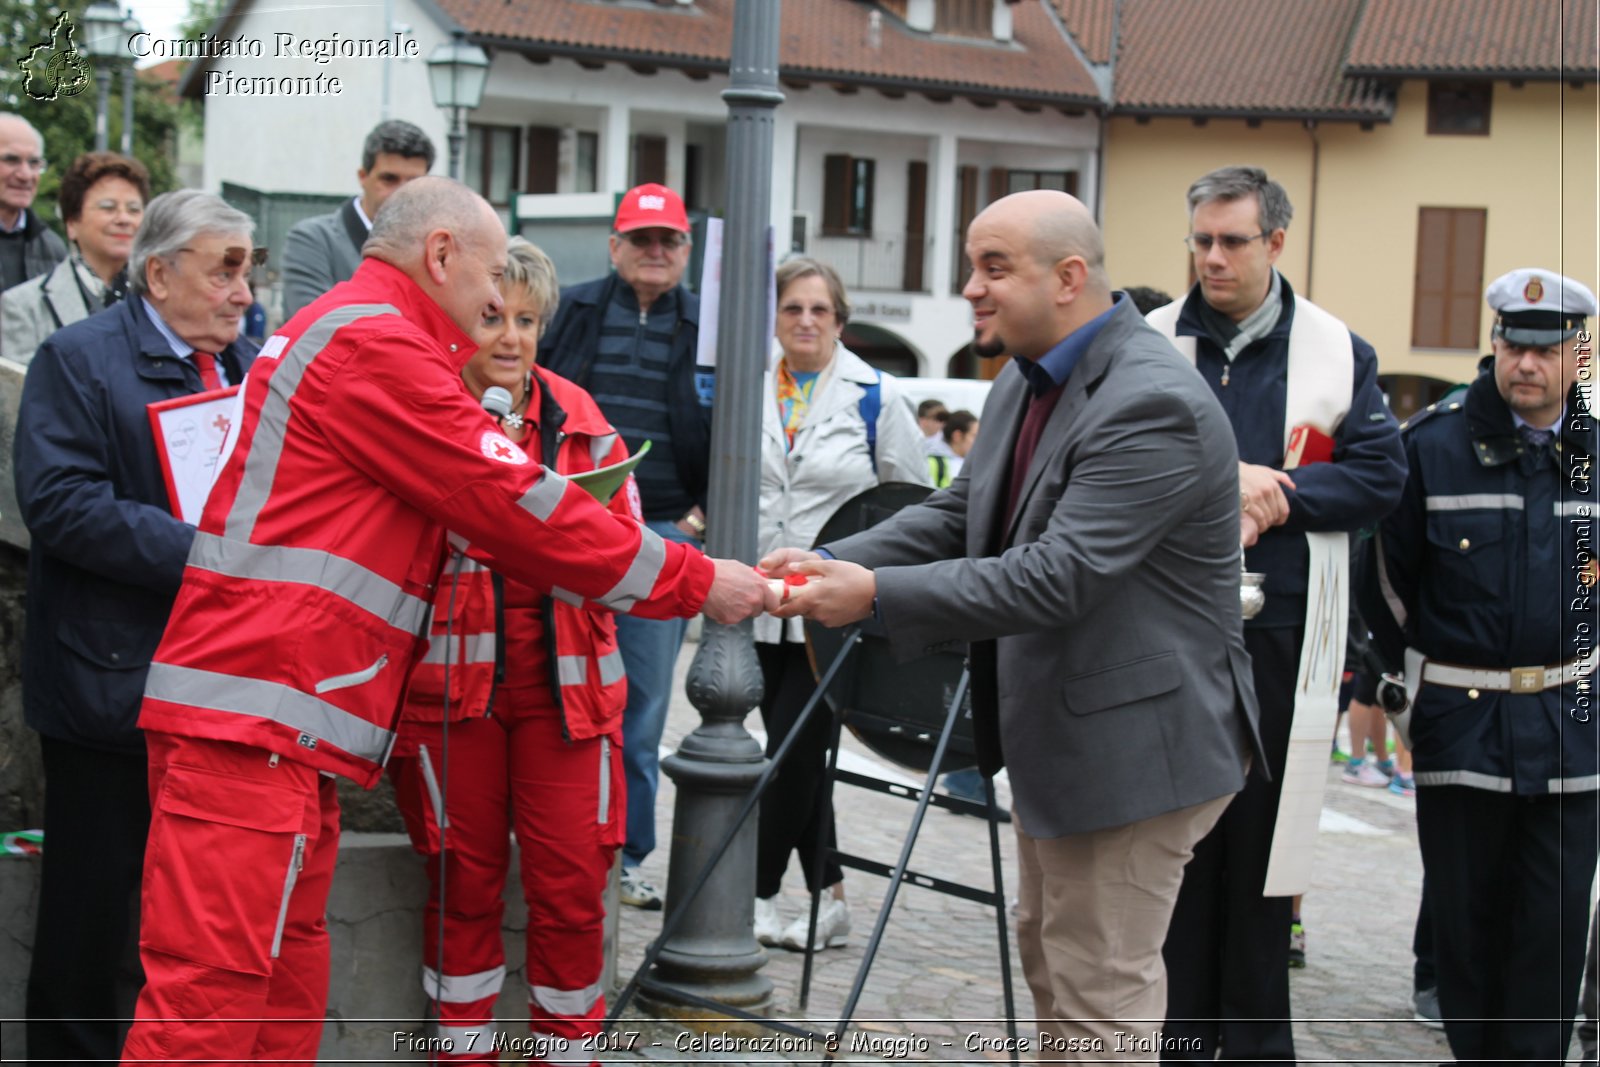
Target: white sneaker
769	928
833	927
638	893
1364	774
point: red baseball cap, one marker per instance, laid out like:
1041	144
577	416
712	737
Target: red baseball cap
651	205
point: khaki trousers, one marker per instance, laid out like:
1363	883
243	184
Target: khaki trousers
1092	914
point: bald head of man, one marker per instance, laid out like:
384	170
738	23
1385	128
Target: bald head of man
448	240
1038	273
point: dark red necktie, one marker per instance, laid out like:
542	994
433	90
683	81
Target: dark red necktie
206	364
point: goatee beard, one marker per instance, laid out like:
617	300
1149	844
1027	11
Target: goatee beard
989	349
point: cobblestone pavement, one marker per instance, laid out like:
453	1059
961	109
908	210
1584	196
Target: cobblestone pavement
934	991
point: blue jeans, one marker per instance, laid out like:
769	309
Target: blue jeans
649	653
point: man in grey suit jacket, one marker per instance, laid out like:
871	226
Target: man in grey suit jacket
324	250
1089	550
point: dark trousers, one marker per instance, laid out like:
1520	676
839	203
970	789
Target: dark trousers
793	816
1227	950
1424	975
1509	931
85	974
1589	1025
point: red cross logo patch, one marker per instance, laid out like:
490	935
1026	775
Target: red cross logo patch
498	446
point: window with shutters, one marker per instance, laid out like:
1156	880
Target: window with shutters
492	162
1064	181
1448	296
966	18
847	196
1459	107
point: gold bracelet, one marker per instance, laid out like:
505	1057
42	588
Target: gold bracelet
696	523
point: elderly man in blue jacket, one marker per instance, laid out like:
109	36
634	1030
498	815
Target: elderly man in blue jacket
108	554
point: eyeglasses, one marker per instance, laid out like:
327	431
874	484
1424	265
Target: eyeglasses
132	207
669	241
233	258
11	159
1230	242
795	311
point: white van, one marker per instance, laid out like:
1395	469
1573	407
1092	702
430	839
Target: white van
955	393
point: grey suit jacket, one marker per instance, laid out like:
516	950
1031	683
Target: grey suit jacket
1108	660
319	253
39	307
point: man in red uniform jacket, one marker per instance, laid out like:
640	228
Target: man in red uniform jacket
303	608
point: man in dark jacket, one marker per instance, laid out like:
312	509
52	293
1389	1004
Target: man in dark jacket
1482	585
28	247
322	251
1319	456
107	557
630	339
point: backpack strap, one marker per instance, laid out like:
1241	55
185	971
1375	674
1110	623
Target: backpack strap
871	404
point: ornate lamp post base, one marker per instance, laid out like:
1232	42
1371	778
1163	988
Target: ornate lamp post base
714	953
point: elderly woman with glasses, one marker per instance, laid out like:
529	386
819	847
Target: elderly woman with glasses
101	200
513	724
817	452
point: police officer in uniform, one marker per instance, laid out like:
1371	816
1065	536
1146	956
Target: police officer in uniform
1482	583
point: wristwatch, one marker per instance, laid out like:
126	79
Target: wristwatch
696	523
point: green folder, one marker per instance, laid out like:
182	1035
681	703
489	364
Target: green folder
604	482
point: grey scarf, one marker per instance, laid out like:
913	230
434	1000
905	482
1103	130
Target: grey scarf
1234	337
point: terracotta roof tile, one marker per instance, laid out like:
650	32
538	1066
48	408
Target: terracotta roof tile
1089	22
1549	38
830	36
1265	58
820	38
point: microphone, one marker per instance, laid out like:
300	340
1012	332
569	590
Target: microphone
497	402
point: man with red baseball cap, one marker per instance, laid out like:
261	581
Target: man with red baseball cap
630	339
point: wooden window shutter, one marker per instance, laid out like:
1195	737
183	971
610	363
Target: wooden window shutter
999	183
1447	299
544	159
649	158
835	194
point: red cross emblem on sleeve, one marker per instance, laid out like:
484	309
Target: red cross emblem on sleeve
499	447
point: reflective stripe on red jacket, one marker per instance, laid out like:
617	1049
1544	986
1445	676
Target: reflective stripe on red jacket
584	666
312	575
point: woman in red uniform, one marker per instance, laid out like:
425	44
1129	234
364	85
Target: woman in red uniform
515	716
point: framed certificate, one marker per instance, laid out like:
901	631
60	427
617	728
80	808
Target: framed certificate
191	432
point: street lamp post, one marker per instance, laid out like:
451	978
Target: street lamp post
713	953
130	27
103	29
457	72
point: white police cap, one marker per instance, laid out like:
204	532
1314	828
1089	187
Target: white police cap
1538	307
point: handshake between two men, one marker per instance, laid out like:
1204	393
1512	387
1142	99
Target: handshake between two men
834	592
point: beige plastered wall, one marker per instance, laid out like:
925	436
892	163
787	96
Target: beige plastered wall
1535	173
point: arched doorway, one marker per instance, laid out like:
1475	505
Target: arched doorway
882	349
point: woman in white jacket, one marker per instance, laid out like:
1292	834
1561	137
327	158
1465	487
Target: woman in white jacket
815	455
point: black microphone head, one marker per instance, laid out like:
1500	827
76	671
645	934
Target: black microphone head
496	401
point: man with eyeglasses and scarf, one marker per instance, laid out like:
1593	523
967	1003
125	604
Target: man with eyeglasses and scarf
1319	457
630	340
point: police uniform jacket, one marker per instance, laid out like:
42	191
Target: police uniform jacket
1354	491
1482	565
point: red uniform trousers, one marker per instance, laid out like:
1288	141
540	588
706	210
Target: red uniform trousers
514	771
236	876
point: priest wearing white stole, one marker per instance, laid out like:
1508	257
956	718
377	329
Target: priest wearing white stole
1320	457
